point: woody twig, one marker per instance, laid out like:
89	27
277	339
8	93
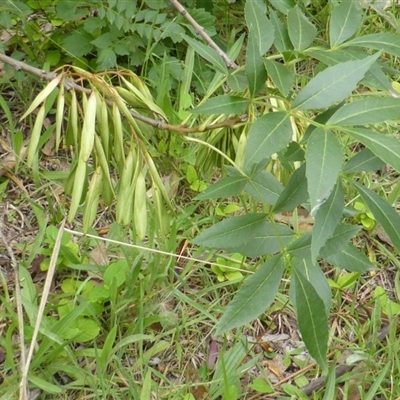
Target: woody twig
70	84
200	31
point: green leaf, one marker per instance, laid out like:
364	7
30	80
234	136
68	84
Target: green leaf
259	25
282	41
387	42
281	76
385	147
191	174
225	187
269	134
339	240
323	163
345	19
264	187
207	53
77	44
374	78
117	270
106	59
46	386
295	193
82	330
256	294
327	219
313	273
351	259
383	213
254	67
367	111
311	318
225	104
232	232
333	84
364	160
237	81
284	6
274	238
294	152
301	31
301	247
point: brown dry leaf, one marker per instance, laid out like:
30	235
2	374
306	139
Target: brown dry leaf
274	368
354	393
49	147
383	237
8	162
99	255
212	354
199	392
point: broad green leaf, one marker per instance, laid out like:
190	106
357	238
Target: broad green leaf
313	273
225	104
333	84
255	69
345	19
259	25
364	160
106	59
264	187
339	240
254	297
385	147
351	259
269	134
237	81
301	31
383	213
207	53
77	44
312	318
282	41
374	78
301	247
295	193
284	6
323	163
321	119
225	187
367	111
232	232
281	76
327	218
274	238
387	42
294	152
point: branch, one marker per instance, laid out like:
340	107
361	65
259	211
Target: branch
70	84
200	31
340	370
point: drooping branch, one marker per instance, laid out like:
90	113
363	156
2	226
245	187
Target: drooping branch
70	84
200	31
